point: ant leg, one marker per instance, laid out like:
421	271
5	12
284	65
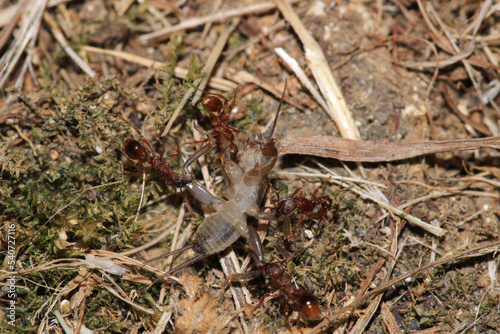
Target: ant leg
297	191
176	154
286	247
325	316
267	295
287	316
189	204
158	139
296	227
314	194
145	171
234	101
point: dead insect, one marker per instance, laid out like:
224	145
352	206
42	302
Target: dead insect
246	181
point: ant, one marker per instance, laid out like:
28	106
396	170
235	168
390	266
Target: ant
135	151
305	206
298	299
219	108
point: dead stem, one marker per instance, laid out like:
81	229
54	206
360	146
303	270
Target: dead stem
369	151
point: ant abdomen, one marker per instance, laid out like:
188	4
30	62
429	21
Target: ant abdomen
212	103
133	149
309	305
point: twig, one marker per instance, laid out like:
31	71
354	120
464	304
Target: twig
478	251
28	31
243	77
294	66
180	220
214	56
62	322
371	194
137	306
212	59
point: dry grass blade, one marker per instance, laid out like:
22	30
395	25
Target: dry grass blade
374	194
338	110
292	63
163	34
212	59
214	82
243	77
389	320
370	151
56	31
27	32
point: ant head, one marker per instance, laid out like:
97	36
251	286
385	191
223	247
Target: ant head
233	149
177	180
273	270
309	305
286	206
134	149
326	201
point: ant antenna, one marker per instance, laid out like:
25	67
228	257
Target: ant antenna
277	113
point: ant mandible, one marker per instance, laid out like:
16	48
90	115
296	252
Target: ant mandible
135	151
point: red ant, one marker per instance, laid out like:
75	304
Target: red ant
135	151
305	206
298	299
219	108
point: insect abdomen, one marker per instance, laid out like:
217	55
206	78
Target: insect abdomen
214	235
